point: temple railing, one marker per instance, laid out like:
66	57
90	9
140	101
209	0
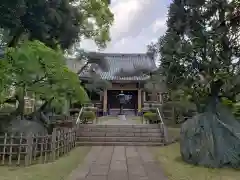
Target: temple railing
163	126
78	121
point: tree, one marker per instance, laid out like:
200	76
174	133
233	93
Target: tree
93	62
96	84
154	85
62	22
90	59
54	23
200	55
48	78
197	52
48	75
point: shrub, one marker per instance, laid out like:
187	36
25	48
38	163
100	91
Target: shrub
151	117
235	107
236	110
93	109
87	116
7	108
227	102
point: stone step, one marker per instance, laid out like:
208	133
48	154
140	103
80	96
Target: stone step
87	143
146	126
118	134
119	128
120	139
127	112
123	130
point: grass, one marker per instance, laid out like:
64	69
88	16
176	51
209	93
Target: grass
173	133
57	170
176	169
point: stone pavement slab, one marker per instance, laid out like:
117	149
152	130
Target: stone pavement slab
118	163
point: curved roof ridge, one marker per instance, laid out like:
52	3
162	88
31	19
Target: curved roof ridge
130	62
120	54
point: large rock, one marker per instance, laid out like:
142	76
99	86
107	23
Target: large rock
26	127
211	139
14	124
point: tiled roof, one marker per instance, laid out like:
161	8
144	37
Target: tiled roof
126	63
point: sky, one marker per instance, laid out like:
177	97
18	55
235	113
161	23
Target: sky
137	23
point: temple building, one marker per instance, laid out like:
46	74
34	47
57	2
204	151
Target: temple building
127	73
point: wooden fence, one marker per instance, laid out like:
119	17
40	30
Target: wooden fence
36	148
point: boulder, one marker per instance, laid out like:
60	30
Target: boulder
211	138
26	127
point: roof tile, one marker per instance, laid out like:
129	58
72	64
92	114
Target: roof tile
127	62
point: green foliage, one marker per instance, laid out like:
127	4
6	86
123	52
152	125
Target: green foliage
97	85
227	102
87	116
235	107
61	22
5	80
93	109
199	53
41	70
154	85
7	108
236	110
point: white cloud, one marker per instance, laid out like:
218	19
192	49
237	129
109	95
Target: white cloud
154	40
136	24
126	14
159	24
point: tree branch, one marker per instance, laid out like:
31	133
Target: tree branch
16	37
81	70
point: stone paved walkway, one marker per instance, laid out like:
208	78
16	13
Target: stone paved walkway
118	163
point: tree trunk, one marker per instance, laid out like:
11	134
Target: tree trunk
81	70
39	115
66	107
16	37
45	104
21	102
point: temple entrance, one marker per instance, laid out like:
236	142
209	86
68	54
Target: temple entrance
113	102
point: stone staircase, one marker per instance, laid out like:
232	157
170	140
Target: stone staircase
127	112
120	135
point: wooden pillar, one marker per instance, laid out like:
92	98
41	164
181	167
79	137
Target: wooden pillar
160	98
144	96
101	97
105	102
139	101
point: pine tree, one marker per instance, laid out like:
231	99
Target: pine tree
199	54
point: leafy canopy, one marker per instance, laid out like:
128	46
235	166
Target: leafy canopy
200	51
55	22
41	70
